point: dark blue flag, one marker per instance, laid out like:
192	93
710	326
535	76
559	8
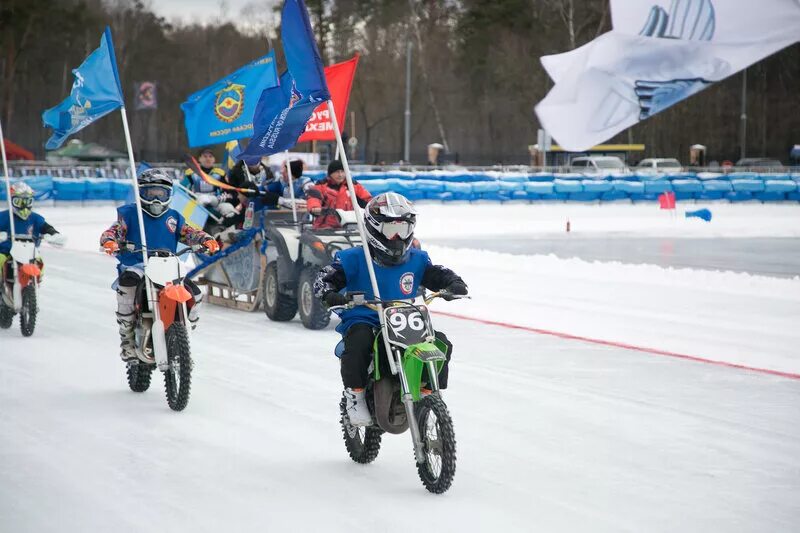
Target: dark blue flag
224	111
283	111
95	92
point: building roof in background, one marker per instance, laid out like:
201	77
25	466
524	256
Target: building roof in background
80	151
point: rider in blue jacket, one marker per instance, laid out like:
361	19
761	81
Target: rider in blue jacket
400	270
26	222
164	228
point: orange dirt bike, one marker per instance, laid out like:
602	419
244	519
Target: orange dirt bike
19	292
161	332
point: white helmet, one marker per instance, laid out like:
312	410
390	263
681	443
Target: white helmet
22	199
155	191
390	220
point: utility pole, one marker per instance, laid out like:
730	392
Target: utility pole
743	117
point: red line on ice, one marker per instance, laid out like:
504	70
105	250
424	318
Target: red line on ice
653	351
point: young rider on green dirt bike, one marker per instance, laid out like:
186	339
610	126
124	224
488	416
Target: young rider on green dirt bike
164	228
400	270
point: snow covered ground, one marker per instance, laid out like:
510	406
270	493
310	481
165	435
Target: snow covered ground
553	434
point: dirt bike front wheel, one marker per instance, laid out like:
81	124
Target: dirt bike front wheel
438	444
27	314
362	443
178	377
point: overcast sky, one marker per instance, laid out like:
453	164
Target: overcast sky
205	11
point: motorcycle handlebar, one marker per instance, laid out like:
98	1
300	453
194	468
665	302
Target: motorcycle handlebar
373	304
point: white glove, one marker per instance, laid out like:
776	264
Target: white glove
56	240
207	200
226	210
287	203
3	236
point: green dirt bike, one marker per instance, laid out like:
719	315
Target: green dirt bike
394	392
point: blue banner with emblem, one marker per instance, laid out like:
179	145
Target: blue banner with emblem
224	111
96	91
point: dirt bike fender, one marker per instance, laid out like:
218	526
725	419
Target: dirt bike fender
415	358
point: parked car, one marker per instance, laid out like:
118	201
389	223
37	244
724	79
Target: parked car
760	164
596	164
660	164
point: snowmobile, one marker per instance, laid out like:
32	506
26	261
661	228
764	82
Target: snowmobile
394	391
163	343
19	295
294	255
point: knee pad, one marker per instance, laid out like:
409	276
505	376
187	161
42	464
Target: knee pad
126	297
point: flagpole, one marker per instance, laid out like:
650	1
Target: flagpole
142	233
291	185
17	304
8	187
361	230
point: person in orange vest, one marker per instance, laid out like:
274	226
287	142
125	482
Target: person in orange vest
330	194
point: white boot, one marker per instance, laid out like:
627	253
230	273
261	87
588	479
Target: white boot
356	408
126	337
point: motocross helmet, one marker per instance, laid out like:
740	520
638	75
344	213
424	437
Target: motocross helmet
22	200
155	191
390	219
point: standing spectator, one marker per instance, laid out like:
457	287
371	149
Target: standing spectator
194	182
330	194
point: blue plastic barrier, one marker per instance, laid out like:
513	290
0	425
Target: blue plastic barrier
493	185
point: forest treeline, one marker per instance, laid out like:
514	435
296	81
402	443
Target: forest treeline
475	74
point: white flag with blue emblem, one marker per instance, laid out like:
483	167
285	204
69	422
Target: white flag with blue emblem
658	53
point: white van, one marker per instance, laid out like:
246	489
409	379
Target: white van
599	165
659	164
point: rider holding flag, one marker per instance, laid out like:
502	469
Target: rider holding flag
164	229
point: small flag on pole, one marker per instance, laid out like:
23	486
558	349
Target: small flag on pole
194	213
233	151
96	92
666	200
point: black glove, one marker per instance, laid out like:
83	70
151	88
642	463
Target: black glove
457	288
335	298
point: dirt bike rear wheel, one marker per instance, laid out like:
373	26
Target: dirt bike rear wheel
278	307
27	313
312	312
6	314
139	376
362	443
178	377
438	444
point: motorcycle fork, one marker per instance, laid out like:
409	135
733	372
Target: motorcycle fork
408	402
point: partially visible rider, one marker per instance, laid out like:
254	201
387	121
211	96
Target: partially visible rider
26	223
400	270
164	229
330	194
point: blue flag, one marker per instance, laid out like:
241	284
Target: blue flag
96	92
283	111
224	111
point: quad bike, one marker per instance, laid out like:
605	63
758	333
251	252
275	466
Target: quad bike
19	294
295	254
394	391
162	338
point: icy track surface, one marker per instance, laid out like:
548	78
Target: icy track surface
553	434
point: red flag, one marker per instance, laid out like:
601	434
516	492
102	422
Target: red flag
667	200
340	81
